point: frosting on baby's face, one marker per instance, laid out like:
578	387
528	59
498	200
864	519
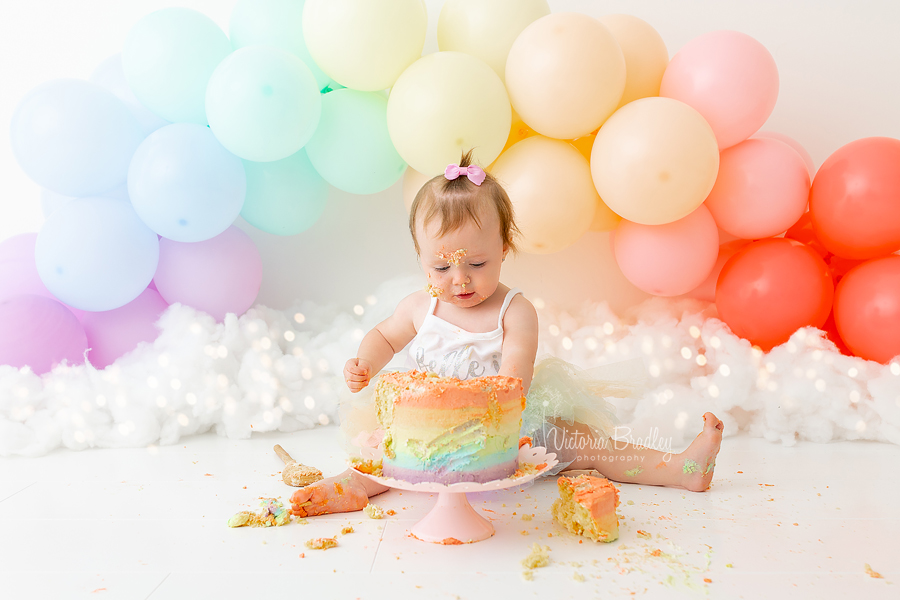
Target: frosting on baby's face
452	258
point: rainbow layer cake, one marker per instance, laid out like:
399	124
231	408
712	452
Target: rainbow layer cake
587	506
444	430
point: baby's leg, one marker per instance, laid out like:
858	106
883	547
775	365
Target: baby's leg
346	492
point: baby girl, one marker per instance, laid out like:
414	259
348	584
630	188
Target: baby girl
466	324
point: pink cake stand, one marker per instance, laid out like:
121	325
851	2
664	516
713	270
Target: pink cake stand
453	520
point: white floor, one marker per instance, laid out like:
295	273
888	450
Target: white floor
151	523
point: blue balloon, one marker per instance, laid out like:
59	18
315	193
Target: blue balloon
74	137
96	254
184	185
110	76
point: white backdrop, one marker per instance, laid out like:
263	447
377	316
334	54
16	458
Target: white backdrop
839	63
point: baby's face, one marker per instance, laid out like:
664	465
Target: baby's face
462	266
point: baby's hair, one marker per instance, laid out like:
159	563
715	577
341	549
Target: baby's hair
455	201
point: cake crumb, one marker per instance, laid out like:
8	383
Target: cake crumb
538	558
321	543
390	512
526	517
872	573
577	576
524	532
347	529
643	534
374	511
528	575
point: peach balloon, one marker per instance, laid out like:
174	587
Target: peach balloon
669	259
565	74
518	131
487	28
707	289
730	78
761	190
807	158
412	183
654	161
646	56
549	184
867	309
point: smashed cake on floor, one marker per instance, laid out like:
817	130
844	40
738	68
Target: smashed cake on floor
587	506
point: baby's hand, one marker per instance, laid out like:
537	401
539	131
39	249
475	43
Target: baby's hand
356	374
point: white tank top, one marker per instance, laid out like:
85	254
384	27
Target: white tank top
443	348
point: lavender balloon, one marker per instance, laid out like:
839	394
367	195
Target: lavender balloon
219	276
112	333
39	333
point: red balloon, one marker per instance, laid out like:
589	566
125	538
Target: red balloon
771	288
867	309
802	231
854	201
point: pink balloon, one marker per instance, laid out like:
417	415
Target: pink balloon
729	78
806	156
18	272
761	190
220	275
39	332
112	333
707	289
670	259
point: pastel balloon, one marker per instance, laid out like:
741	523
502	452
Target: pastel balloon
761	191
352	149
771	288
655	161
669	259
807	158
730	78
74	137
412	183
168	58
113	333
519	130
184	185
707	289
867	309
854	202
284	197
565	74
218	276
277	23
549	184
486	29
445	104
369	51
803	231
111	76
96	254
263	103
604	218
39	333
646	56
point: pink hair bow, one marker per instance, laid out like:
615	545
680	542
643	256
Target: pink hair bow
473	172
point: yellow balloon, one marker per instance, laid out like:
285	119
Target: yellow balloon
549	184
412	183
364	44
655	161
446	103
565	74
487	28
518	131
646	56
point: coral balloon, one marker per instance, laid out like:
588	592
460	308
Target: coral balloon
263	103
488	28
219	276
807	158
761	190
565	74
730	78
365	44
802	231
867	309
112	333
39	333
168	58
445	104
670	259
646	56
771	288
854	202
654	161
707	289
549	184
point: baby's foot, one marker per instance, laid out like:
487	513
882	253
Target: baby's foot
341	493
697	462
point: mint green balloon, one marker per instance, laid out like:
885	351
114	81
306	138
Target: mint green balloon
284	197
262	103
351	148
168	57
275	23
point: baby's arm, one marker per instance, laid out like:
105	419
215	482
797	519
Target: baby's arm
520	340
383	342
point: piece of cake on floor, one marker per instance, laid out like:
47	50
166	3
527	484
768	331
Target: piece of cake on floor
446	430
587	506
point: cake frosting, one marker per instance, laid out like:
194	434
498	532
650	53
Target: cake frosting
587	506
446	430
